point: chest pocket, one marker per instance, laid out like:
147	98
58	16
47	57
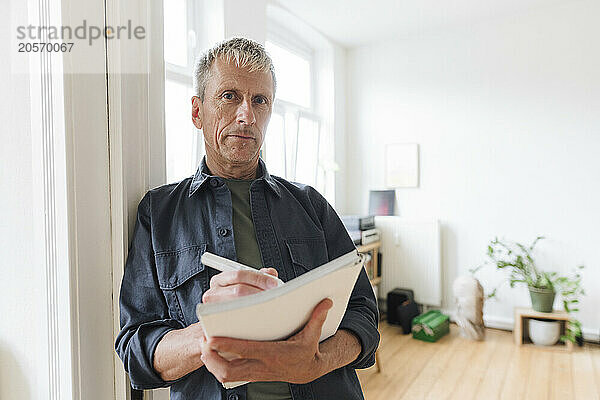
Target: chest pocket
183	279
307	253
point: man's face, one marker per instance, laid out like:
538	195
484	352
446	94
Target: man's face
235	112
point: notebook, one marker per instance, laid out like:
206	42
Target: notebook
281	312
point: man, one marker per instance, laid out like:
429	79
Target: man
234	208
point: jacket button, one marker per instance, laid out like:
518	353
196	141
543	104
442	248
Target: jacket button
223	231
214	182
233	396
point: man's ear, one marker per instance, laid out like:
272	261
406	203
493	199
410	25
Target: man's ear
197	112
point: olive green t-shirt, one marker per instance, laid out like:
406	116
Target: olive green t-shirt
248	253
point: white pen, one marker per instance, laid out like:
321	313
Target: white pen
223	264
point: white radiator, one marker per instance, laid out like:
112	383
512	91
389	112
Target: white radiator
411	257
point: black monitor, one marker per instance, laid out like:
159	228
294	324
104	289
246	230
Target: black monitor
381	202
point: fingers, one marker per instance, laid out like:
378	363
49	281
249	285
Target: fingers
224	293
315	325
232	284
243	348
270	271
215	363
252	278
225	367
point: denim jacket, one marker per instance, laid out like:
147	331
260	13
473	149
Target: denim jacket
164	279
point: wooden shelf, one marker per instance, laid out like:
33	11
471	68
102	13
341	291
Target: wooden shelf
371	266
375	281
530	313
521	328
368	247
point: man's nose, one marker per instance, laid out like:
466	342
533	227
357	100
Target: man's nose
245	113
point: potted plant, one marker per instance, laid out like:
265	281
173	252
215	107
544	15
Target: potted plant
543	286
544	332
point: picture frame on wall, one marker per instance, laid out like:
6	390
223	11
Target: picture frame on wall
402	165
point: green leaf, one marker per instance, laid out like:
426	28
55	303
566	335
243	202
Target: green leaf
537	239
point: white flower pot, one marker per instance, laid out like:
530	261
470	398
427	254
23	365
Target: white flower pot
544	333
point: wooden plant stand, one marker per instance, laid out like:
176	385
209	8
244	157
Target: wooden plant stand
521	328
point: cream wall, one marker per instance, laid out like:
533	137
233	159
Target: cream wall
506	113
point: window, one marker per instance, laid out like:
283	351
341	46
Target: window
184	146
293	75
295	147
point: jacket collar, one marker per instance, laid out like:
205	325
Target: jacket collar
203	174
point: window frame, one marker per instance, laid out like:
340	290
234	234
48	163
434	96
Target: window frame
185	76
282	37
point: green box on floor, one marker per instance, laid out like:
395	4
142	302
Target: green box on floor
430	326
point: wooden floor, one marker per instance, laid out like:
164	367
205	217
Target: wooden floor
457	368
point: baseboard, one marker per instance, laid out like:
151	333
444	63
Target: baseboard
499	322
496	322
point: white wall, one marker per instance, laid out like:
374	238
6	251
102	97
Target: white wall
23	344
55	296
507	115
23	354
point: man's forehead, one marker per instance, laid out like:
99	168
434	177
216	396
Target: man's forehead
223	73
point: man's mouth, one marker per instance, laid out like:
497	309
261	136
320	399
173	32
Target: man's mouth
242	137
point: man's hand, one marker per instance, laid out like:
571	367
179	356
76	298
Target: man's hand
299	359
231	284
178	352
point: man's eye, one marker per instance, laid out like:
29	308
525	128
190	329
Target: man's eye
260	100
228	96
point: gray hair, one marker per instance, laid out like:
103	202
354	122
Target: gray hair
245	53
